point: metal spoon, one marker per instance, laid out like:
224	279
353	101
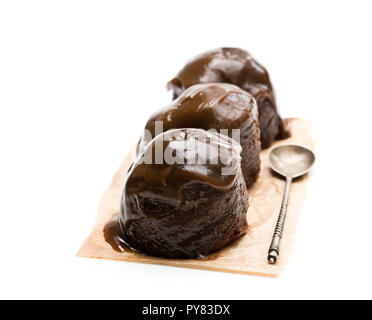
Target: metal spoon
290	161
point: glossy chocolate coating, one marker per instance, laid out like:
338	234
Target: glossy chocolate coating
235	66
189	209
218	106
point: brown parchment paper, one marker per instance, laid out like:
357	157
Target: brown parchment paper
247	255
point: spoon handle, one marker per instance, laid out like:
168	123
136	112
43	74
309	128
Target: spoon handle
274	247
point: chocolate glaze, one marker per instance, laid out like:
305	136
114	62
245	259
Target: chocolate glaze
215	106
236	66
189	209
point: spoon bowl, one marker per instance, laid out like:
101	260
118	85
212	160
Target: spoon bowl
291	160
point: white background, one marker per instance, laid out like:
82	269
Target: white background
78	79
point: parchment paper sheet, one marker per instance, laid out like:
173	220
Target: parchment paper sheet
247	255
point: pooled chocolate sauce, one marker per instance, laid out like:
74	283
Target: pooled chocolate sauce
217	106
191	205
238	67
114	235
